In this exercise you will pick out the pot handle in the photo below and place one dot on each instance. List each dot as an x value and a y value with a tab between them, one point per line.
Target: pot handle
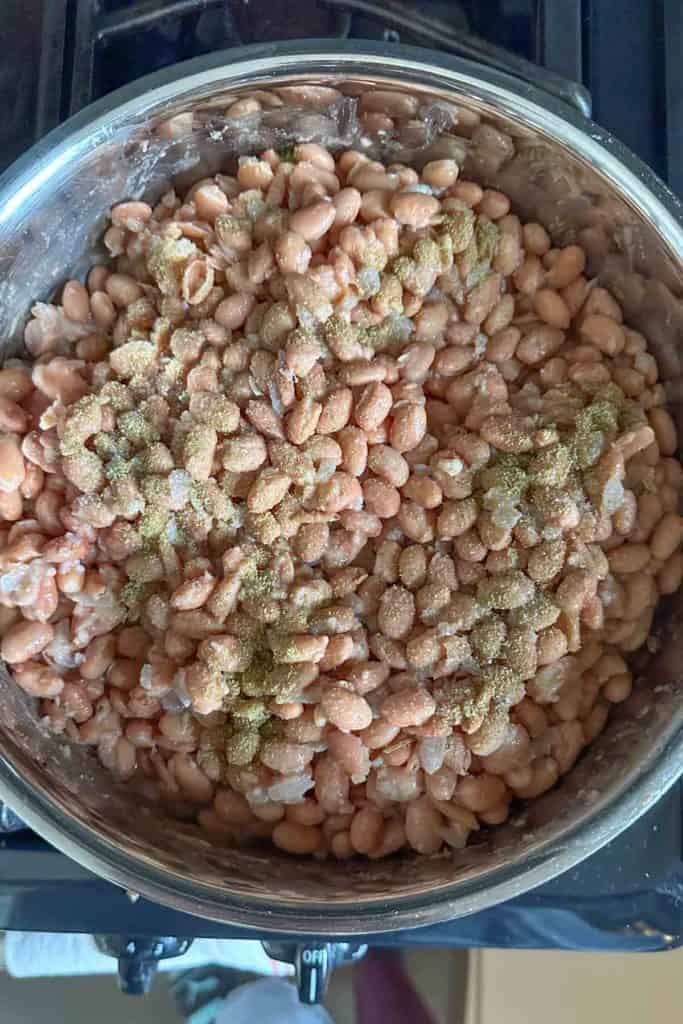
314	962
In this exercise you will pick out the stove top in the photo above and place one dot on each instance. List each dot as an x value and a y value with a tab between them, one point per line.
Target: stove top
622	58
624	55
625	897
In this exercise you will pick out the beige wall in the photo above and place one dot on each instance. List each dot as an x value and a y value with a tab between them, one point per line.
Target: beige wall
520	987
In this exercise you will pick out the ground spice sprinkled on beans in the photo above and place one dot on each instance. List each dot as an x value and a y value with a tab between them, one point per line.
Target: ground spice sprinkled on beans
334	503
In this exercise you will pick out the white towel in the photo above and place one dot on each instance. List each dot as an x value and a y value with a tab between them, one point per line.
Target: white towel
48	954
269	1001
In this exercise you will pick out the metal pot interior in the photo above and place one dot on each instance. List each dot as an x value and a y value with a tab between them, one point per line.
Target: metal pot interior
559	170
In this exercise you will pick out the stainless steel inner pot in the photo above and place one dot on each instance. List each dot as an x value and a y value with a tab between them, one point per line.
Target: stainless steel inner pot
559	169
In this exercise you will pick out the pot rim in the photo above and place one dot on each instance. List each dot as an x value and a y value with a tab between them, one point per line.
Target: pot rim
329	61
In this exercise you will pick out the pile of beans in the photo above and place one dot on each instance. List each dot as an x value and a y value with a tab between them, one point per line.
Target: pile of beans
332	504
